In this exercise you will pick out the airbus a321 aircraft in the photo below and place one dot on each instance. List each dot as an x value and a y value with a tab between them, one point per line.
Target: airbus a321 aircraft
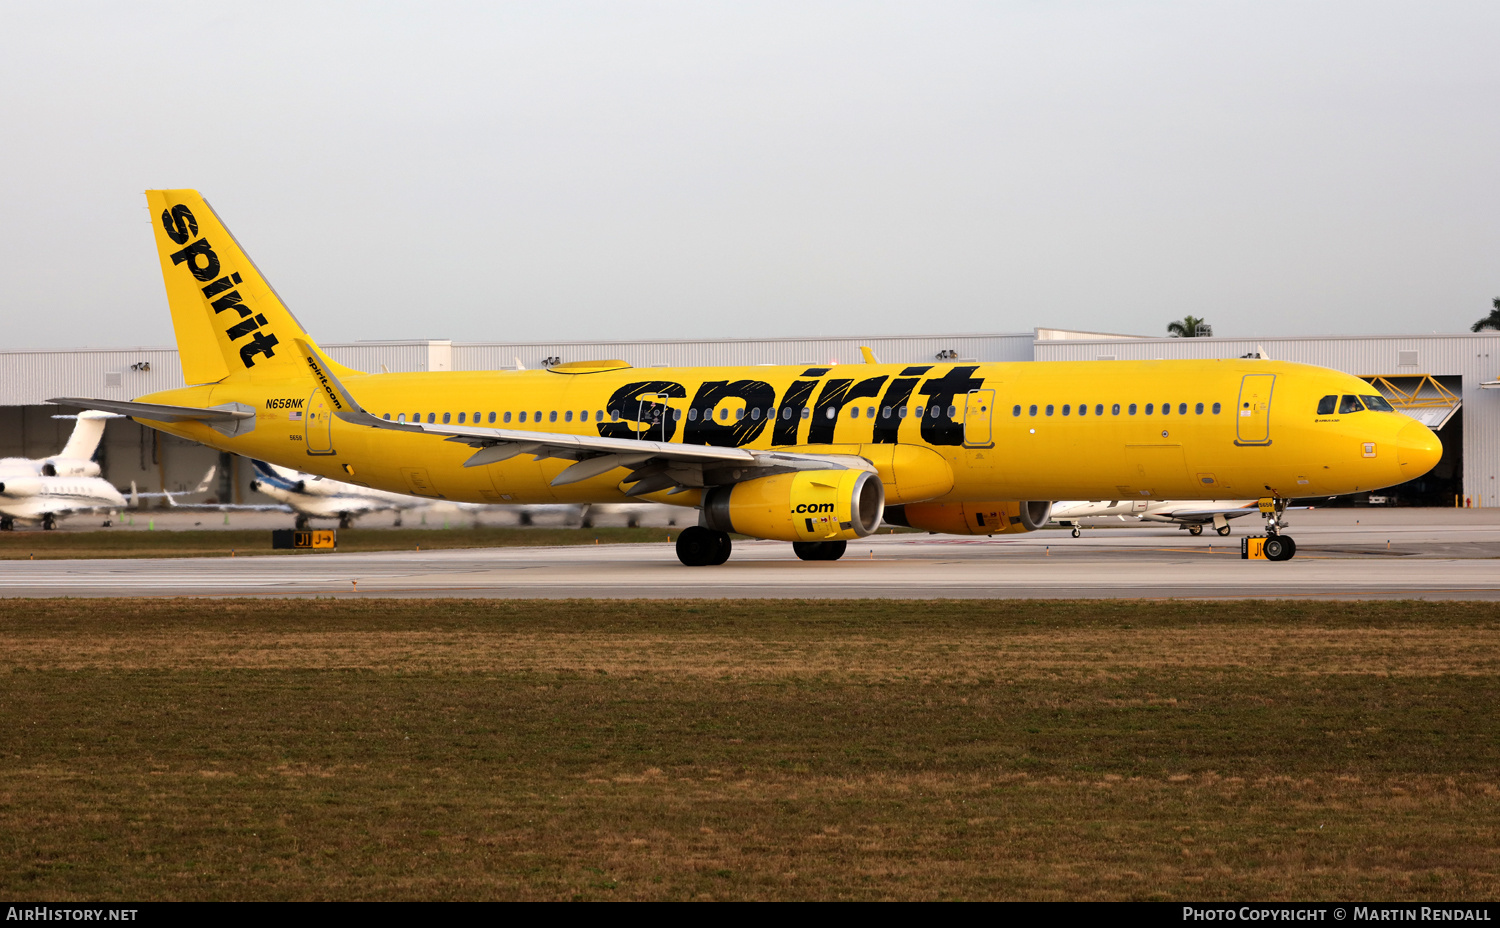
1191	514
811	455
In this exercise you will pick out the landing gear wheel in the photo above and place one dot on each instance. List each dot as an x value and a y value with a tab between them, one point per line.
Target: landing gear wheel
1077	532
1280	548
7	525
49	522
300	524
345	521
1223	530
1195	530
722	547
701	547
820	550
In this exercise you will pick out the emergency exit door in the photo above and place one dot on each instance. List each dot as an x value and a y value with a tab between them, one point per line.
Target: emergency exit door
1253	412
977	416
317	425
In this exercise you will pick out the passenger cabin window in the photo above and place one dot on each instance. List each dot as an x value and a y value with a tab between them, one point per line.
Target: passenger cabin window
1049	409
1148	408
1132	409
492	418
567	416
507	416
1083	409
676	415
1216	409
1198	409
902	412
432	417
401	417
1328	404
1099	409
387	417
1166	409
869	412
460	418
1114	410
1016	411
552	415
1377	403
807	413
522	416
953	412
1033	410
1350	404
1182	409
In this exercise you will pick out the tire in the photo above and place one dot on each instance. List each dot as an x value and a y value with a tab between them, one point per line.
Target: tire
1223	530
7	525
1277	549
722	547
1195	530
1077	532
697	546
1291	547
345	521
300	523
820	550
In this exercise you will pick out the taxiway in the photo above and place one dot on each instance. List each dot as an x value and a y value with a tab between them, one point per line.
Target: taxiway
1342	554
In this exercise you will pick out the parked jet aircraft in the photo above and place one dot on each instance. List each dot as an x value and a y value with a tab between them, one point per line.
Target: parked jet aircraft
1190	514
44	490
810	455
311	496
76	459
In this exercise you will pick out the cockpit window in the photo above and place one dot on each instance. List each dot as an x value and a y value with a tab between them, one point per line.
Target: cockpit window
1377	403
1349	404
1328	404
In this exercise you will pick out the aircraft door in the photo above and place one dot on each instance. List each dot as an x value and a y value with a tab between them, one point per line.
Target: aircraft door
317	425
1253	412
977	417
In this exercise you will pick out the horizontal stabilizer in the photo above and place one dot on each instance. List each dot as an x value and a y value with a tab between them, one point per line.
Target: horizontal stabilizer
158	412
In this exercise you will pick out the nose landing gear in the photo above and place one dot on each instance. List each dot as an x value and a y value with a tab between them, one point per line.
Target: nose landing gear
1278	547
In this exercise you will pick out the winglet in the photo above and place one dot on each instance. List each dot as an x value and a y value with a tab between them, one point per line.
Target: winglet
869	355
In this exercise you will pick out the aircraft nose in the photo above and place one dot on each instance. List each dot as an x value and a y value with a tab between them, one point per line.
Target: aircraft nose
1417	450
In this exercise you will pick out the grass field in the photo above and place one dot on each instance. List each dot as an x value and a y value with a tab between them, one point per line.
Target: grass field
188	749
254	542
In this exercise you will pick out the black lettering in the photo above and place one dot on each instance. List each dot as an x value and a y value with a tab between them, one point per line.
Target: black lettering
220	285
192	253
733	433
241	329
785	430
260	344
916	371
887	427
655	418
232	299
179	223
941	429
837	393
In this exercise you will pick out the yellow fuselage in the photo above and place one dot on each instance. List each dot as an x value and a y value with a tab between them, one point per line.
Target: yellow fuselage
1012	431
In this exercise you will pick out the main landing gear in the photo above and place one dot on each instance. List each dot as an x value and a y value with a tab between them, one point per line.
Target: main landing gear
1195	530
703	547
820	550
49	522
300	523
346	520
1278	547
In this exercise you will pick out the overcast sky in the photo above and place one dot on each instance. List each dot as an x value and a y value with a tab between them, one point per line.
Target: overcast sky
652	170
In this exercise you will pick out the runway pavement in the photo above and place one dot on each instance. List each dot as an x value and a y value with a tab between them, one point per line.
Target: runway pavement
1342	554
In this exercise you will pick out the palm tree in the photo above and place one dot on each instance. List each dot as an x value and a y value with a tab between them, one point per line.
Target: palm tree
1492	321
1193	327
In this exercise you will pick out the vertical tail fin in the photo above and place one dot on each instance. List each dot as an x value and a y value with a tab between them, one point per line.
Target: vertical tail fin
87	431
228	318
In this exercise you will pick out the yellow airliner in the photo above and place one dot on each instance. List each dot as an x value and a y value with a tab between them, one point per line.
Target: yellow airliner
811	455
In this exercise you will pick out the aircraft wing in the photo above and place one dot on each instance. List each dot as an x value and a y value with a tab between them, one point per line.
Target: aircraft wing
158	412
652	462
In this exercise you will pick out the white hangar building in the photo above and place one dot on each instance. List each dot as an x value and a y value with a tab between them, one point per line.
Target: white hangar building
1446	381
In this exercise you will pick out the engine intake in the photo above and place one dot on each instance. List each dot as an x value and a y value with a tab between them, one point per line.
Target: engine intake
1008	517
808	505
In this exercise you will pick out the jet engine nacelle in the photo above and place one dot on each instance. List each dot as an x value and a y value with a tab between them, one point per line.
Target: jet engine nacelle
70	467
808	505
1009	517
